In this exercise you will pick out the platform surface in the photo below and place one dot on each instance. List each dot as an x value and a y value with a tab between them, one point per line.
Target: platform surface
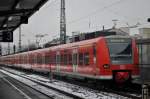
11	89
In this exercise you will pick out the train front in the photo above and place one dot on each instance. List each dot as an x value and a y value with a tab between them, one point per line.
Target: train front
124	58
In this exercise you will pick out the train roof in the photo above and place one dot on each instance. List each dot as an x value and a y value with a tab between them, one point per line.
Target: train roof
69	45
117	36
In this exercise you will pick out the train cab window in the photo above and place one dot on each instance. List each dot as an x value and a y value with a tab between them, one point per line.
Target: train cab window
86	58
120	50
81	59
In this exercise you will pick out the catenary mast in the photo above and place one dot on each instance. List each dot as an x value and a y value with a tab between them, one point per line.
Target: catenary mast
62	23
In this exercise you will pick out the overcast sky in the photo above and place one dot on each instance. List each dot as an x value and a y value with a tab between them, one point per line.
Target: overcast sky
81	13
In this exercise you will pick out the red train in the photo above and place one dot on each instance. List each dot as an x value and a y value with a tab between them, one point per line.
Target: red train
103	58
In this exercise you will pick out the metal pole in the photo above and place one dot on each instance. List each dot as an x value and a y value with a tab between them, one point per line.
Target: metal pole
144	91
28	45
8	48
14	48
19	38
8	42
62	23
0	49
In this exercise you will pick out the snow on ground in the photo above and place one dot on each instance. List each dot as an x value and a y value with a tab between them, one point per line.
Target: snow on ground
67	87
42	89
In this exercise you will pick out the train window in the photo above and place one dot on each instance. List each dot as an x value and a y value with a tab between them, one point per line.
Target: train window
32	59
70	59
62	59
86	58
35	59
21	58
47	59
39	59
51	59
54	59
94	51
120	52
65	59
24	59
80	58
57	59
75	59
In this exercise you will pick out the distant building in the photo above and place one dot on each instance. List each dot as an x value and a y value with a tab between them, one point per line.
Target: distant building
125	30
119	31
144	32
79	36
145	48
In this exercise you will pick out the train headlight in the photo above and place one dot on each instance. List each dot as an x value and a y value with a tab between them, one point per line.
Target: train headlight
106	66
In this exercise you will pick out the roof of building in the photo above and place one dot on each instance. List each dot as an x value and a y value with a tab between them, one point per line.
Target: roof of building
13	13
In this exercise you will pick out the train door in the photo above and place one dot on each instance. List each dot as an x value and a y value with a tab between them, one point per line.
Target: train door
75	60
96	69
58	61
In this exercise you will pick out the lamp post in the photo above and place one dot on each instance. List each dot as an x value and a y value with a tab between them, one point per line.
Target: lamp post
19	38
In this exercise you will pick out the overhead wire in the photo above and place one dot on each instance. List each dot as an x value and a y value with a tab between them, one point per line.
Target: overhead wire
96	11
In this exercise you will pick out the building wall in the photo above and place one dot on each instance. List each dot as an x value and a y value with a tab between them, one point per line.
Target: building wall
144	50
145	57
145	32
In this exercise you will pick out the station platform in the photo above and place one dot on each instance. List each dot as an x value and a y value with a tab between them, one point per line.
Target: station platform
11	89
7	91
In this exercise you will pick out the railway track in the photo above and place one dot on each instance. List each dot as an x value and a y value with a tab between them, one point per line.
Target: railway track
133	91
51	92
115	94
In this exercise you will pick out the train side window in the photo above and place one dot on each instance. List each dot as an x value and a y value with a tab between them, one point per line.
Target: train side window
65	59
35	59
25	59
75	59
58	59
47	59
39	59
70	59
62	59
86	58
80	58
32	59
54	59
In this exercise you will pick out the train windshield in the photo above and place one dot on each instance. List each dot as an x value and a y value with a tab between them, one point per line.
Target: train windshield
120	51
